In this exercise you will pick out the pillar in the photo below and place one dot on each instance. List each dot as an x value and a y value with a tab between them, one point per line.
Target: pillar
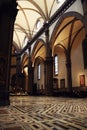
30	74
84	3
8	13
84	50
19	76
18	64
69	74
48	66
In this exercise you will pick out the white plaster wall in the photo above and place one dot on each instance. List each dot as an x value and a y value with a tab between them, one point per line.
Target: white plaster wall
77	62
62	68
76	7
35	74
40	83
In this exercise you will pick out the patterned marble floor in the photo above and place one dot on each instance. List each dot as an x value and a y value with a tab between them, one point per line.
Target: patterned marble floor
44	113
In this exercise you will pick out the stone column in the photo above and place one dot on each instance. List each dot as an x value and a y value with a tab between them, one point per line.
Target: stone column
30	74
69	74
48	66
84	49
84	3
18	73
8	13
18	64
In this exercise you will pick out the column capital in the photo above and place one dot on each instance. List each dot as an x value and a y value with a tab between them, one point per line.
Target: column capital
47	32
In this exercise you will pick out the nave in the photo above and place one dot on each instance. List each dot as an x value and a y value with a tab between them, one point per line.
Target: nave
44	113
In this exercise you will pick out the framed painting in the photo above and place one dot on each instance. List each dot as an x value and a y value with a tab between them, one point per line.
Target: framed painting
82	80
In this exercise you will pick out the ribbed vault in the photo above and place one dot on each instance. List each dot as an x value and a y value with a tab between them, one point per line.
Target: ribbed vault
30	18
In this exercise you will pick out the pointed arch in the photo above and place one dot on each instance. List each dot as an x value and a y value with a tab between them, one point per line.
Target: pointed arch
36	44
74	15
40	44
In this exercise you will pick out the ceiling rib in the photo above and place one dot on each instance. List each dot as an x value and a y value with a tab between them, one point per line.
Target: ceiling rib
56	15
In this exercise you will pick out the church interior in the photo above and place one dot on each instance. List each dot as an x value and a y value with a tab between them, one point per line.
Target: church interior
43	65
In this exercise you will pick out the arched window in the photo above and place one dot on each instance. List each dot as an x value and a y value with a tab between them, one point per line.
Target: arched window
38	24
38	71
56	64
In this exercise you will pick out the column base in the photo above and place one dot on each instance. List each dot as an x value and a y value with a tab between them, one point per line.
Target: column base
4	102
49	93
4	98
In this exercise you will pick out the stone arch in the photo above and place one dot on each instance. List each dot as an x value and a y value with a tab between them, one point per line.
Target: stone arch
66	15
40	44
71	24
40	83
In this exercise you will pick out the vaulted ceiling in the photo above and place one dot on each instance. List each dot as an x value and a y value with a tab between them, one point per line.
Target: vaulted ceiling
30	18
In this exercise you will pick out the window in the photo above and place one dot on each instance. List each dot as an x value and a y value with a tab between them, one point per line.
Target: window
56	65
38	24
25	41
39	71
